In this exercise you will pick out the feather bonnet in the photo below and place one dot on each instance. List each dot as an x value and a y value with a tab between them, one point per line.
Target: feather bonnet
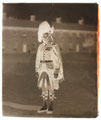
44	27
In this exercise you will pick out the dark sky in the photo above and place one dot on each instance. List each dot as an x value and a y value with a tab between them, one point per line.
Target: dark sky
68	12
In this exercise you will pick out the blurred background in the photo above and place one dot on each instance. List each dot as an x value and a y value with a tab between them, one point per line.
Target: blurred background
76	33
70	13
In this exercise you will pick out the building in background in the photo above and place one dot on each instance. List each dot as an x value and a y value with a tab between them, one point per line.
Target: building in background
20	36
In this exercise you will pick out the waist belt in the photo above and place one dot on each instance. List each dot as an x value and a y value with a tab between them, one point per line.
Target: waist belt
45	61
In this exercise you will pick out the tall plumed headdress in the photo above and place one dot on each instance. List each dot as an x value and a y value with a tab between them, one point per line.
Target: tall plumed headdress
44	27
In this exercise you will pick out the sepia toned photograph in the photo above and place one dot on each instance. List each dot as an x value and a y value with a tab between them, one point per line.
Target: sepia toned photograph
49	60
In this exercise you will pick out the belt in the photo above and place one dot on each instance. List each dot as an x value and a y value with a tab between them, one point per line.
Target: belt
45	61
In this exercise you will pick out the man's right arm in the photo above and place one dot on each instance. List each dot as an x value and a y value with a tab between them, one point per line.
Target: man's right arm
37	62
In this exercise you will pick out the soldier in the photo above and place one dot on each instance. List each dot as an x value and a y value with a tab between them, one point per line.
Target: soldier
49	68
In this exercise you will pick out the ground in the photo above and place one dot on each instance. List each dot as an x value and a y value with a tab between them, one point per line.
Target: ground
77	96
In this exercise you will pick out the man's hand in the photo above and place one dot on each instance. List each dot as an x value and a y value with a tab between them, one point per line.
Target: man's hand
37	74
55	75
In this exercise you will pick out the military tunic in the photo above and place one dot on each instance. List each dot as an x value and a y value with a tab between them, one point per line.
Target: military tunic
48	62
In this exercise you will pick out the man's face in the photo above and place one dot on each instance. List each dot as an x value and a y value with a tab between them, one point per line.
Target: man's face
46	38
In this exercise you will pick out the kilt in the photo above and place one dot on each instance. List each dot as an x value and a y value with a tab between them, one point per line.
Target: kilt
46	80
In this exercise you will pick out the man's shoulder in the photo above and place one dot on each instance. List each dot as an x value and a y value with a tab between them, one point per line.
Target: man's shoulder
55	45
41	46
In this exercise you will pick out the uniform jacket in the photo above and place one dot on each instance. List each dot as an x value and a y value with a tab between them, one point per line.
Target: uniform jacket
50	52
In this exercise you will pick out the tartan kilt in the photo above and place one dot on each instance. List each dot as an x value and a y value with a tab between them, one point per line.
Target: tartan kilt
46	78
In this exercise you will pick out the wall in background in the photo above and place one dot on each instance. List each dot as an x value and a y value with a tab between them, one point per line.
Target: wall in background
24	40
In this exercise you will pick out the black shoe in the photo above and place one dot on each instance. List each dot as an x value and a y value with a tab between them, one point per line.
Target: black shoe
43	108
50	109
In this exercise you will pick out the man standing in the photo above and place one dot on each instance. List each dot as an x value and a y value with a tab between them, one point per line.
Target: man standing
49	68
